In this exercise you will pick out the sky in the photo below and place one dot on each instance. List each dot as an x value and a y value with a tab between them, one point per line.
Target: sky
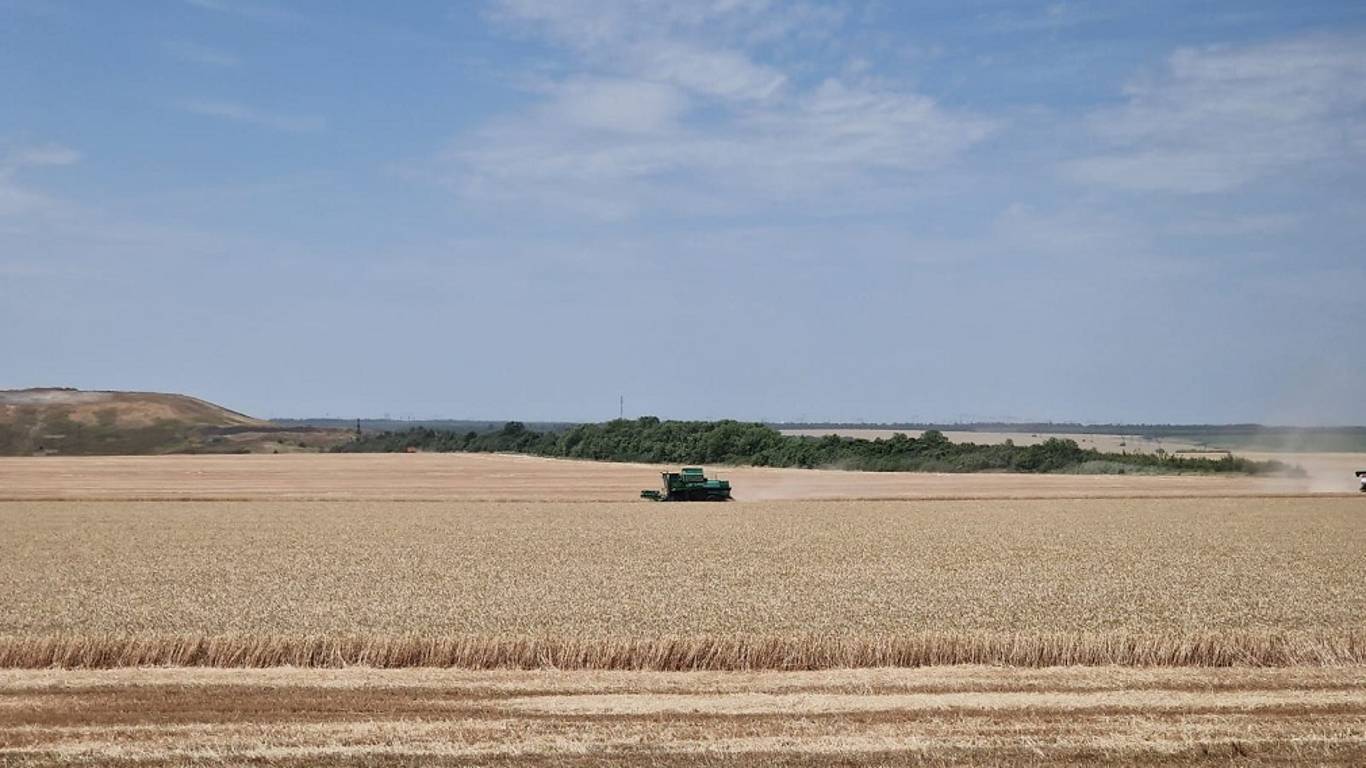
946	210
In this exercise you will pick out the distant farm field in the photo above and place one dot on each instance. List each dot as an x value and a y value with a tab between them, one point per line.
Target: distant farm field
1108	443
500	477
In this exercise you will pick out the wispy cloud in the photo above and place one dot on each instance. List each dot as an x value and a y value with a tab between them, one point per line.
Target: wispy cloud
200	54
1222	117
1049	17
616	104
39	155
251	10
671	108
17	199
241	113
697	46
1237	225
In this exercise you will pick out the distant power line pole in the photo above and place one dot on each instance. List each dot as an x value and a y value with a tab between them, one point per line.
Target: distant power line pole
621	406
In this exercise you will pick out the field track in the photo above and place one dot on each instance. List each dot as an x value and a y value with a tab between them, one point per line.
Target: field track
929	716
489	477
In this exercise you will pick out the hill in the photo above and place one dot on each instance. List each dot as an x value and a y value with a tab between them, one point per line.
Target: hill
71	421
445	425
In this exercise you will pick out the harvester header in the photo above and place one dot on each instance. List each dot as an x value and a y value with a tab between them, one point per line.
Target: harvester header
689	484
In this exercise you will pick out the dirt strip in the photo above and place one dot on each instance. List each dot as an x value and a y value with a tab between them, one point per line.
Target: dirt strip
178	717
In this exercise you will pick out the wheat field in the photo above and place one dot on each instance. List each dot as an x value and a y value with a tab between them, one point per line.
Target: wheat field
415	620
782	585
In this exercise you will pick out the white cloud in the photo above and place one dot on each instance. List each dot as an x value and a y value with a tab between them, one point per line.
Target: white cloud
666	109
695	46
227	110
1222	117
617	104
829	143
856	126
721	73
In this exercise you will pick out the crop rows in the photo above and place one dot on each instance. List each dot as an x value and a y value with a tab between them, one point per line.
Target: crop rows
782	585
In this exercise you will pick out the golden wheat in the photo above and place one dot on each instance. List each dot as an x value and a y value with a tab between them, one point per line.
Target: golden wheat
780	585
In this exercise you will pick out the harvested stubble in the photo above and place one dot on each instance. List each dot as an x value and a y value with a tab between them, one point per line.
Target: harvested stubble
960	715
633	586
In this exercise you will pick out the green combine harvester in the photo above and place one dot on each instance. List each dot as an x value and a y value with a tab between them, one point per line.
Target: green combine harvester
689	485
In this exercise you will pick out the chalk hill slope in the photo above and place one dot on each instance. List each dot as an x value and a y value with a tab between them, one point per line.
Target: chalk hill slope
70	421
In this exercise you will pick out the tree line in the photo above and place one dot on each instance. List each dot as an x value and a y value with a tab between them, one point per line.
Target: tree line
650	440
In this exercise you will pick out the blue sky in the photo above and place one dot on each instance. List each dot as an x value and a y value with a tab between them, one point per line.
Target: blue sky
1103	211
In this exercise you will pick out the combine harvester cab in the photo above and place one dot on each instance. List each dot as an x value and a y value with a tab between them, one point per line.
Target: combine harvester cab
689	485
